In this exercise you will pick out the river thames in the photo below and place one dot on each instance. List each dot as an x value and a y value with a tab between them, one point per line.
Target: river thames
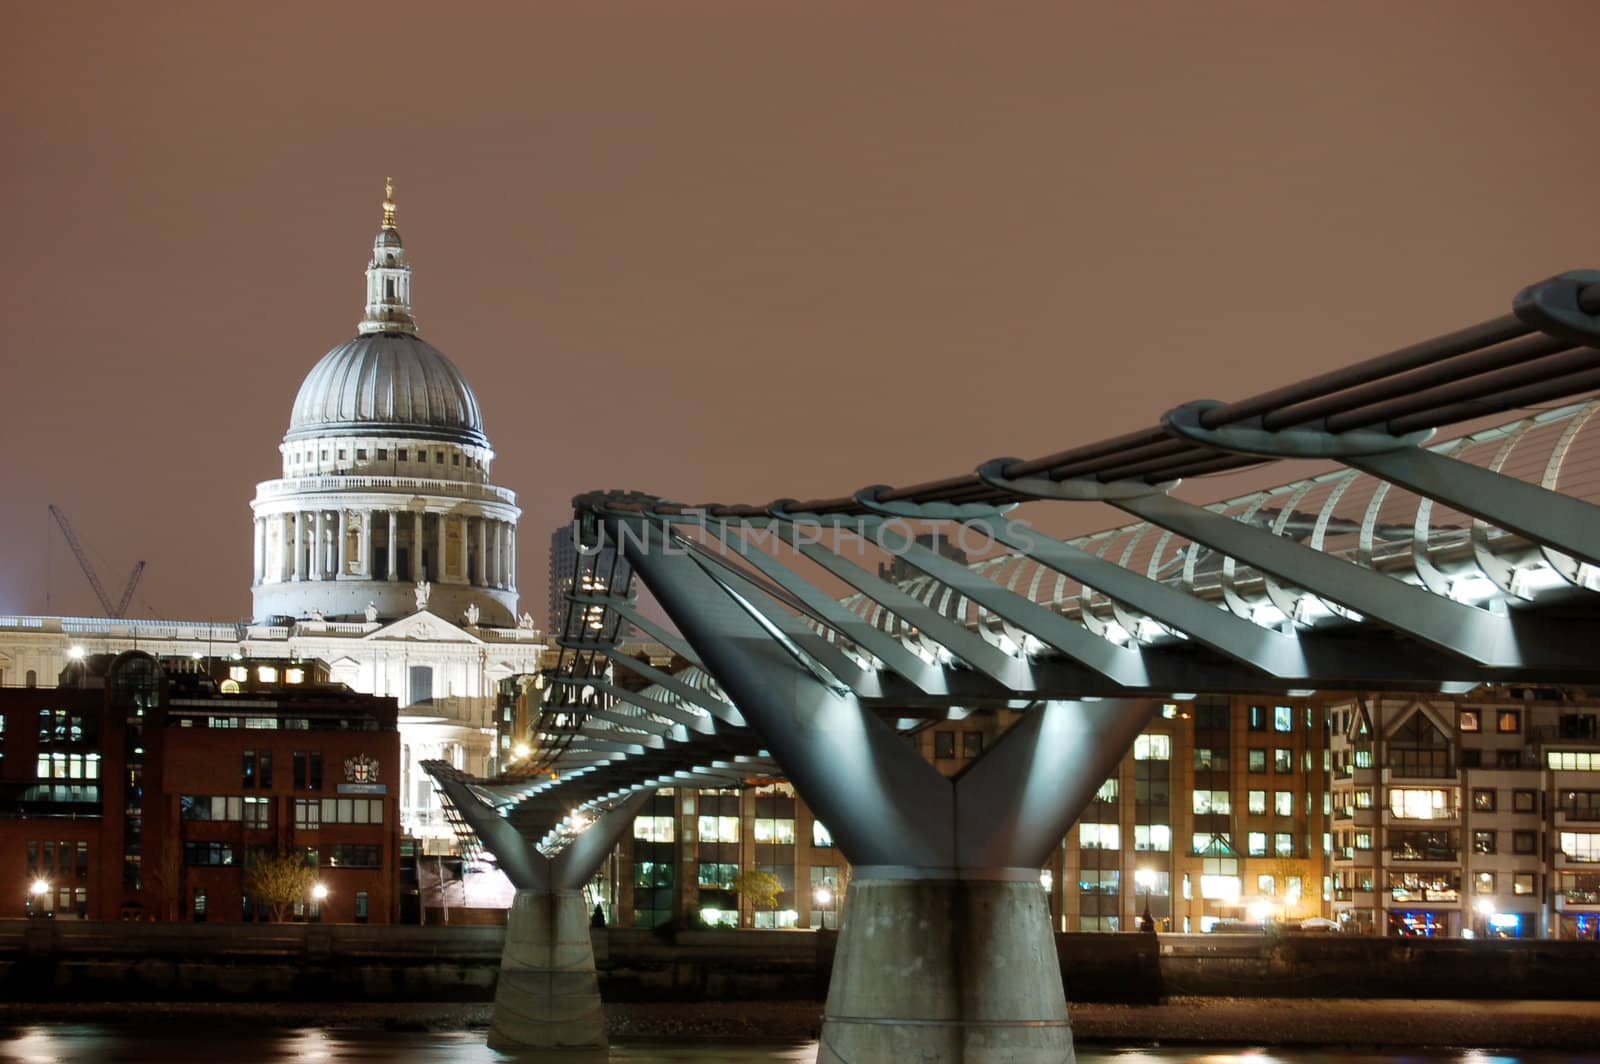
122	1044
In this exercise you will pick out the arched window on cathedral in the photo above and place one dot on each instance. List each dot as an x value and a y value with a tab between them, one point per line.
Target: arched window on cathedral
31	679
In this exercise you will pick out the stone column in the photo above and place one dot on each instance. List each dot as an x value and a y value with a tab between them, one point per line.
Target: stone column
285	547
258	569
299	545
511	552
320	556
466	531
364	565
341	551
418	574
497	569
481	578
442	544
394	544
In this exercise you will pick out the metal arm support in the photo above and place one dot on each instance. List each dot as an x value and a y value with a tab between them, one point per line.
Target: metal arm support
520	860
884	803
1465	631
525	866
1547	517
577	864
1015	804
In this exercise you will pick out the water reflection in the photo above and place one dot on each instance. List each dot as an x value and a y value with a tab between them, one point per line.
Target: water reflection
178	1044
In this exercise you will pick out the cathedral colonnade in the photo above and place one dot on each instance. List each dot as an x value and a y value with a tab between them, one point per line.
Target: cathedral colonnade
385	544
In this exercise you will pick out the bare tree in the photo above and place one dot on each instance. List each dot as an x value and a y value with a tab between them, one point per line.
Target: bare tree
280	880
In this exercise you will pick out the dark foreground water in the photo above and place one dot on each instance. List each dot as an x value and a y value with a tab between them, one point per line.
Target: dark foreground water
185	1043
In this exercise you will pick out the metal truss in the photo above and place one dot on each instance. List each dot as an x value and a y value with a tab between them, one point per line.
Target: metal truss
1406	565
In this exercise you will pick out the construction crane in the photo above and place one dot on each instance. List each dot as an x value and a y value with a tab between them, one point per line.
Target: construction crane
121	608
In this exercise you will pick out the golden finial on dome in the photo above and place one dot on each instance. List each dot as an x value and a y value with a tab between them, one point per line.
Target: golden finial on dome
388	203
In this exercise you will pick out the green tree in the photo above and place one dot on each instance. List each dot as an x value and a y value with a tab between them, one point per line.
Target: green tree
760	889
279	880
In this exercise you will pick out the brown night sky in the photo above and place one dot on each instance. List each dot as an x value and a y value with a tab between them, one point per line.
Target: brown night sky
726	251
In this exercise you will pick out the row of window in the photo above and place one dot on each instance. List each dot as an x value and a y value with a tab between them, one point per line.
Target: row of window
1281	718
312	813
55	861
339	855
401	454
69	766
253	811
777	831
1507	721
61	726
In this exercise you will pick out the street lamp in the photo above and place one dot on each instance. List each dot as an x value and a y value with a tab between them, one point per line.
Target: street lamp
823	896
38	896
319	893
520	751
1146	878
1485	909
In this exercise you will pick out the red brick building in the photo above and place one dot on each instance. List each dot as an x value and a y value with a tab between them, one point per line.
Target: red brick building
143	790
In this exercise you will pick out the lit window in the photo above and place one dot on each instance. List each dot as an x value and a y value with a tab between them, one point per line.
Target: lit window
1509	721
267	674
1258	803
294	675
1156	838
1578	846
1256	843
653	828
1099	837
1283	718
1283	803
1152	748
1469	721
1417	803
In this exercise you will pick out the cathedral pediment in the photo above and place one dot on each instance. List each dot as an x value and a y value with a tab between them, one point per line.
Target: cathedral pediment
423	627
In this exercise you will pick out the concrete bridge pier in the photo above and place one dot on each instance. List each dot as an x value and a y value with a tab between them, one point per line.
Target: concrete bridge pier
946	970
548	994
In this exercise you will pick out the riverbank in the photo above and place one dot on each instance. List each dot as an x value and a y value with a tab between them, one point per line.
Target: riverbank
1350	1023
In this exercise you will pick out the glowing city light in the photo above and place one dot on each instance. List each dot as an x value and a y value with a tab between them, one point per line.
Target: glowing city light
39	888
521	750
823	896
75	653
319	892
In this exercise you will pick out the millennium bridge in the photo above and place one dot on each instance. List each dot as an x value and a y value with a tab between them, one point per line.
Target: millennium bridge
1400	562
